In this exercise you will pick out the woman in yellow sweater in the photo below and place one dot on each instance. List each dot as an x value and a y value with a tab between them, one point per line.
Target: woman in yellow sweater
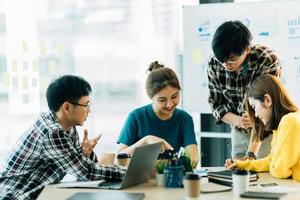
270	108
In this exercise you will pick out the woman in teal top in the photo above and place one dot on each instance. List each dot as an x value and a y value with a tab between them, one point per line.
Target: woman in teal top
160	121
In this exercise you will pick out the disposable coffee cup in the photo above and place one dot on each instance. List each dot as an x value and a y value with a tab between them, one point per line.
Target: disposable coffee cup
191	184
106	158
123	159
240	180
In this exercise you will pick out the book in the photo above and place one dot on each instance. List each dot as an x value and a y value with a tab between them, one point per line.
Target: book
224	177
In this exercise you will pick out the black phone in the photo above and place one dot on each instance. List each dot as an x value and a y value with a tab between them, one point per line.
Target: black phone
262	195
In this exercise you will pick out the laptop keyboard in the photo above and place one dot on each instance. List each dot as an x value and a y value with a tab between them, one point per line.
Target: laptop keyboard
109	183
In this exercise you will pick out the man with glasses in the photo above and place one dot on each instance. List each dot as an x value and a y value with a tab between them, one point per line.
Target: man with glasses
50	148
235	65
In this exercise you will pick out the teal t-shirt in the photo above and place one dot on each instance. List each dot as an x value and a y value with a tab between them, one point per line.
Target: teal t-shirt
178	130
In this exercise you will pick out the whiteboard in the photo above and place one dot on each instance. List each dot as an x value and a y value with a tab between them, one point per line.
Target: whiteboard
274	24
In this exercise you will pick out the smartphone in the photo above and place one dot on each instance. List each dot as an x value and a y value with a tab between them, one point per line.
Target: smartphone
262	195
265	185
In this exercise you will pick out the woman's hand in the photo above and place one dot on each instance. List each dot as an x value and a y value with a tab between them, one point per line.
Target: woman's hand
150	139
230	164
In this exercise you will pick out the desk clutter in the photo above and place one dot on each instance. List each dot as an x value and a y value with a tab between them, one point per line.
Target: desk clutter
208	190
174	170
171	168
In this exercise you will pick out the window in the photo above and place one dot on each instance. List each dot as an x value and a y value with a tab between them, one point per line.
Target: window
108	42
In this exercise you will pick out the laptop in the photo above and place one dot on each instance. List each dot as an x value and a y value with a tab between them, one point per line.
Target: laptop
138	171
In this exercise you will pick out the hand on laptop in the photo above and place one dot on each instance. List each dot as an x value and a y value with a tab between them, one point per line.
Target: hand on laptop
150	139
89	144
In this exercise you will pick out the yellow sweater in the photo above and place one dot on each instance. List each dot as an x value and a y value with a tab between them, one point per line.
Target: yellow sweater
284	158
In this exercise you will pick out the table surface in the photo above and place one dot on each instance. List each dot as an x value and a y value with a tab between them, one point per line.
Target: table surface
152	191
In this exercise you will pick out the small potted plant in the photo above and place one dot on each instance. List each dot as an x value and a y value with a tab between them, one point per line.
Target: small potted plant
160	176
186	161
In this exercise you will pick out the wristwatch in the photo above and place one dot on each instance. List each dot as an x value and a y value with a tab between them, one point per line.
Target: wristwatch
251	154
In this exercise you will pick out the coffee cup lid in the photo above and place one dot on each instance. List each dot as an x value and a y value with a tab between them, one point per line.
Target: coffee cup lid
240	172
123	155
192	176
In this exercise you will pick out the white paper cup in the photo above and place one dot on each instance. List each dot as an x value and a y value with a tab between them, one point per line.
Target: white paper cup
240	180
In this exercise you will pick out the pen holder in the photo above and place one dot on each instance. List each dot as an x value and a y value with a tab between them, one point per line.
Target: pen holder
174	176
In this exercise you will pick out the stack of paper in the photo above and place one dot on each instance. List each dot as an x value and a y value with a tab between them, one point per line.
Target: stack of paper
224	177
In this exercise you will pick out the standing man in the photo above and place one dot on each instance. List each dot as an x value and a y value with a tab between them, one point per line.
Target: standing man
236	64
50	148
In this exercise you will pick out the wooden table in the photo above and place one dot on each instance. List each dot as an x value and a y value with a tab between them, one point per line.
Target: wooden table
158	192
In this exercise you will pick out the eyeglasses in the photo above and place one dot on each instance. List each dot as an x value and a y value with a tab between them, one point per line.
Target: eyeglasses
232	61
78	104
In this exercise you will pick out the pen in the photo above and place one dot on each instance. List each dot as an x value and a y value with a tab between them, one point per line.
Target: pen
230	149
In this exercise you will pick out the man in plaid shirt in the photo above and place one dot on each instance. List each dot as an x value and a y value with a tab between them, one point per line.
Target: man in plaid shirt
235	65
51	148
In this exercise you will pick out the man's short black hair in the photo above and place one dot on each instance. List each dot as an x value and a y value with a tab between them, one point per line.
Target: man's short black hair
66	88
232	37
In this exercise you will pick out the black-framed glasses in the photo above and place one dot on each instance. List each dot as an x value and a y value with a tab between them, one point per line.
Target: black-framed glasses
232	61
84	105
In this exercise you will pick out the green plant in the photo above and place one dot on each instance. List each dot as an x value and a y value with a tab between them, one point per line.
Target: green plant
160	166
186	162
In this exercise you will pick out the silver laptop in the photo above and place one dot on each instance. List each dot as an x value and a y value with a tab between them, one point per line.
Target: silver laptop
139	169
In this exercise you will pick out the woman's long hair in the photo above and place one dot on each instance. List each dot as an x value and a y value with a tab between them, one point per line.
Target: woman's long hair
281	104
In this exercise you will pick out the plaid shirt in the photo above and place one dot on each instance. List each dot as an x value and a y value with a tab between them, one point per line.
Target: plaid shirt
43	155
227	89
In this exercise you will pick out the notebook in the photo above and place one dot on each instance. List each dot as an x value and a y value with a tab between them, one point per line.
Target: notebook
104	195
224	177
138	171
